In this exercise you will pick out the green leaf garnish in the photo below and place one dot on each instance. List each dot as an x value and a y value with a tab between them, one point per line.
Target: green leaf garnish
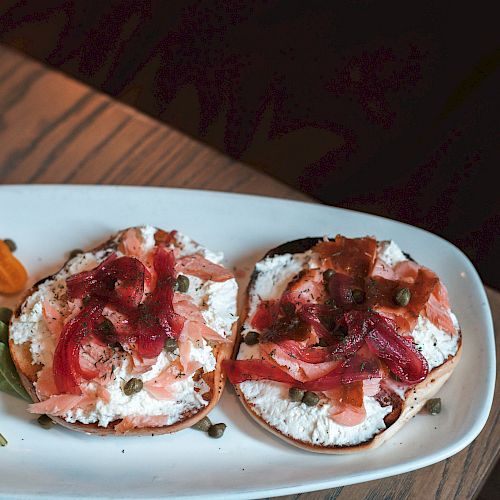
9	378
4	333
5	314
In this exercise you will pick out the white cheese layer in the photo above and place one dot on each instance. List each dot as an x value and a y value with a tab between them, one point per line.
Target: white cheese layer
390	253
141	403
433	343
312	424
217	302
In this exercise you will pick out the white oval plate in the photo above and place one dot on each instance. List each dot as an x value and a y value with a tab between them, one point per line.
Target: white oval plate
248	462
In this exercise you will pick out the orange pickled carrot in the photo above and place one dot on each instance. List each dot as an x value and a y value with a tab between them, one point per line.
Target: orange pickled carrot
13	275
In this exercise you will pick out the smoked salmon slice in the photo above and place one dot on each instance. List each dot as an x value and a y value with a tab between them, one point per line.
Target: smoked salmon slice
56	405
131	243
129	423
306	288
197	265
53	319
299	370
160	387
380	294
45	384
194	327
437	310
408	274
352	256
347	404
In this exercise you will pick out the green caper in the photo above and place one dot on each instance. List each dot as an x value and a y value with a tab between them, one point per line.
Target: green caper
170	345
75	252
45	421
323	343
402	297
251	338
433	406
328	274
217	430
11	244
310	398
296	394
5	314
133	386
181	283
3	441
203	425
358	296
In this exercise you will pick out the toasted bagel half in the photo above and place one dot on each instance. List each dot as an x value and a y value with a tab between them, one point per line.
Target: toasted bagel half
169	334
339	420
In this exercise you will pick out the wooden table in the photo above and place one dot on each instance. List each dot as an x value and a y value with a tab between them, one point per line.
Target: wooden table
56	130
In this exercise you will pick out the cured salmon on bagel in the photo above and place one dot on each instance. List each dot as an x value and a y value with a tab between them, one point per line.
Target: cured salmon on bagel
128	338
343	340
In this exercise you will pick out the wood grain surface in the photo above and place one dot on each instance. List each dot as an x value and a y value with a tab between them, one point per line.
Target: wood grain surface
56	130
402	102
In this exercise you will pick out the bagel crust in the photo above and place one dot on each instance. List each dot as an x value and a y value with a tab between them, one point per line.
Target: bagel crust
212	381
404	405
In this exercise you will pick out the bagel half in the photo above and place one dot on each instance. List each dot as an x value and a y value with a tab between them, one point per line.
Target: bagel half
32	344
269	403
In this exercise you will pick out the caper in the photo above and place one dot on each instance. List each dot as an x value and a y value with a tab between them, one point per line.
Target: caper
3	441
182	283
45	421
310	398
170	345
203	425
75	252
358	296
133	386
433	406
11	244
328	274
217	430
402	297
296	394
251	338
323	343
5	314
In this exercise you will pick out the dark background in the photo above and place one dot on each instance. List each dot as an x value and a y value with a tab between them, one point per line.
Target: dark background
385	107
